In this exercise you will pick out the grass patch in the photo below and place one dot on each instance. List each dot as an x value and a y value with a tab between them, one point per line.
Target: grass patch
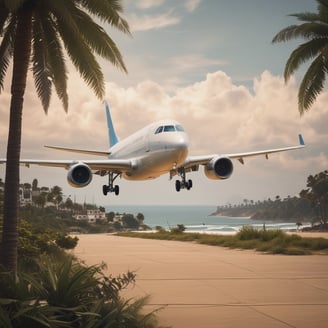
268	241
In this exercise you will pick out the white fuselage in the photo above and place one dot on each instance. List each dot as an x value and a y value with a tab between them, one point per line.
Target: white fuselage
153	150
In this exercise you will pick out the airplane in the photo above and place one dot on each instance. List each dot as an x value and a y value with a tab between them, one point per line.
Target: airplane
157	149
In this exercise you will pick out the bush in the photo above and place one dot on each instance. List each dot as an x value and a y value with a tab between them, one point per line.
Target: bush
69	294
66	242
180	228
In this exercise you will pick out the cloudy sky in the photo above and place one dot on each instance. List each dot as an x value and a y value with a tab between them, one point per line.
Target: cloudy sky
210	65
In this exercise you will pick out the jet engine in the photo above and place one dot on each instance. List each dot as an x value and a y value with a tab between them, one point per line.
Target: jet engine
79	175
219	168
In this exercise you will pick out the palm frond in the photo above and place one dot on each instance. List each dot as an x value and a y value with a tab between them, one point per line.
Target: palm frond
98	40
306	17
107	11
312	84
4	16
42	78
84	61
78	50
56	61
6	51
302	54
307	31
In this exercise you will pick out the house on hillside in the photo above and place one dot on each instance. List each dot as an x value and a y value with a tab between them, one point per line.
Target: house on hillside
25	195
91	216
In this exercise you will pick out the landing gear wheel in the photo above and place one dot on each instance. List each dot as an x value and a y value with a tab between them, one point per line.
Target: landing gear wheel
105	190
177	185
116	190
189	184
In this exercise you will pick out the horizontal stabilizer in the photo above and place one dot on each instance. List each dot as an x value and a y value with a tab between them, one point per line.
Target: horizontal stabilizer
81	151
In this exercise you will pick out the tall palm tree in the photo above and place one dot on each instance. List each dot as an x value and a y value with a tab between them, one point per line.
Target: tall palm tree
314	30
37	33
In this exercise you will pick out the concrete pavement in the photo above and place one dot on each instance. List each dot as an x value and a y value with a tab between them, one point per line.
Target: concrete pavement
205	286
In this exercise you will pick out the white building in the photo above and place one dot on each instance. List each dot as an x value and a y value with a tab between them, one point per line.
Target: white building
91	216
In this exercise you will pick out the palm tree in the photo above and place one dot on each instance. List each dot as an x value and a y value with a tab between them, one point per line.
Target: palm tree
314	30
35	33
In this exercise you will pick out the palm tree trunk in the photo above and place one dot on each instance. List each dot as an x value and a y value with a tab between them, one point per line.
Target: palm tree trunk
21	57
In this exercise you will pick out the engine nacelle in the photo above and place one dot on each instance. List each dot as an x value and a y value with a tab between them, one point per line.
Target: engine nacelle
219	168
79	175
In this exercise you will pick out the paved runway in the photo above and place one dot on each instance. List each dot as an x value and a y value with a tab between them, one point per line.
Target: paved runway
201	286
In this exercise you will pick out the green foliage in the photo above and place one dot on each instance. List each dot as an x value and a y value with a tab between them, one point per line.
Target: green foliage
317	194
70	294
66	242
130	222
180	228
269	241
312	30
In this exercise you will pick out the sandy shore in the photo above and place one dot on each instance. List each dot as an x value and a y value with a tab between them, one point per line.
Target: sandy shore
311	234
205	286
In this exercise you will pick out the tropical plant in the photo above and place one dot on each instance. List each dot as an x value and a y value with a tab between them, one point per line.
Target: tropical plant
317	194
35	33
70	294
314	30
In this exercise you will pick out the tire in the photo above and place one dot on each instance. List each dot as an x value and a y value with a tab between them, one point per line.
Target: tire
177	185
189	184
116	190
105	190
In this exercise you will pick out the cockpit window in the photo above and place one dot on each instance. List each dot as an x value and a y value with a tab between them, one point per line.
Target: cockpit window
169	128
159	130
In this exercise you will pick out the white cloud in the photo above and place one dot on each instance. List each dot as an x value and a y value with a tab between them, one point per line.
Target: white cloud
191	5
152	22
194	61
145	4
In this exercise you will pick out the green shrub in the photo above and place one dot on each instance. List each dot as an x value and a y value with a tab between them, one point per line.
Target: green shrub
248	233
70	294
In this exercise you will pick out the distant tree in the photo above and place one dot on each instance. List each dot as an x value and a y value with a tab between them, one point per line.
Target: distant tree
110	216
56	195
140	217
317	194
180	228
130	222
35	185
69	204
117	226
314	31
41	200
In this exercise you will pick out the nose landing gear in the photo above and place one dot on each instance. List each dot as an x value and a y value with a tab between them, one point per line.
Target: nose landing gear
183	184
110	187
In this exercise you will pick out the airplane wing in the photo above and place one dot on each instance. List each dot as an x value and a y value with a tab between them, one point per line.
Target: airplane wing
81	151
203	160
95	165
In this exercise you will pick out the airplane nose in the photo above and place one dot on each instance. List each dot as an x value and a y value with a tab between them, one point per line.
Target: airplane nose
182	143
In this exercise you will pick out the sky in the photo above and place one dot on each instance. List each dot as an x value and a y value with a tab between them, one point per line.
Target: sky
208	64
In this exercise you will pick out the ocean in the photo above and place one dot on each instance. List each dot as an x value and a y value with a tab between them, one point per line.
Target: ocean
196	218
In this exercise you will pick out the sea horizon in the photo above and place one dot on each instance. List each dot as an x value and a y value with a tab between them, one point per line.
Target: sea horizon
196	218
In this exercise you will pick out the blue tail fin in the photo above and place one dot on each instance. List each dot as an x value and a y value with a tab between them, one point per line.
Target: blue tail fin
111	132
300	137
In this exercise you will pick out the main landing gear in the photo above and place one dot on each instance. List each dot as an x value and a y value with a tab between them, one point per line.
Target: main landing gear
110	187
183	184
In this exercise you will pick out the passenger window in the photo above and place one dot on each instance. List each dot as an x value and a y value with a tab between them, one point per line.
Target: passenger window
179	128
159	130
169	128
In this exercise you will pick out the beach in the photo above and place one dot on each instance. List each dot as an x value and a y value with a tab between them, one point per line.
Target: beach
205	286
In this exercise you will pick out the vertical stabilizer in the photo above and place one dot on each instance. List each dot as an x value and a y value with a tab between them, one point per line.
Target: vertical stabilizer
111	132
